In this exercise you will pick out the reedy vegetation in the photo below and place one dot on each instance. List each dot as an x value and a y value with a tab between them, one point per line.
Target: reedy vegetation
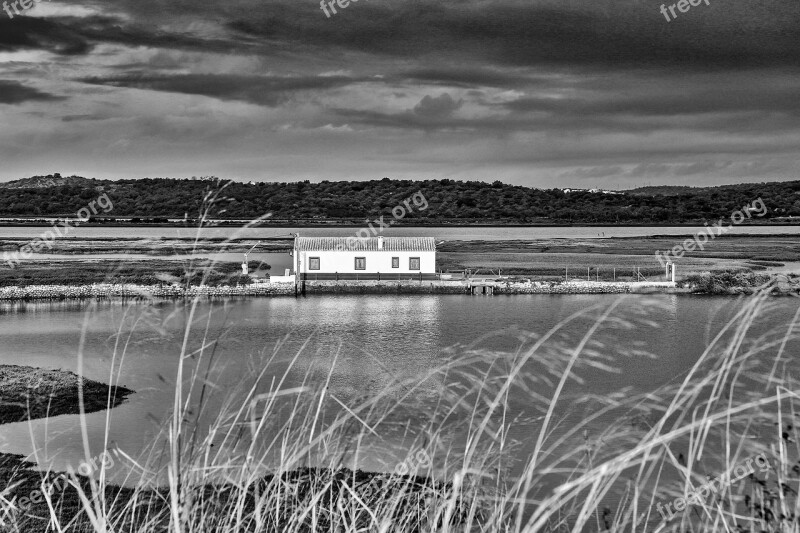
279	458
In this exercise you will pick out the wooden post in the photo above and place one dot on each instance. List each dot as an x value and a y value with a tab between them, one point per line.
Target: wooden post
587	273
615	274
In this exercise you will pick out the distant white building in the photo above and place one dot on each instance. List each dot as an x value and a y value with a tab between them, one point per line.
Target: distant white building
373	255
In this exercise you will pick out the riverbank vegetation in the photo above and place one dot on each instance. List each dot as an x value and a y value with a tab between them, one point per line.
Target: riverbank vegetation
487	439
140	272
603	259
729	283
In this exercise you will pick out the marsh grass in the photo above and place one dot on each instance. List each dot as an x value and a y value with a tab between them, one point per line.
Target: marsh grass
514	440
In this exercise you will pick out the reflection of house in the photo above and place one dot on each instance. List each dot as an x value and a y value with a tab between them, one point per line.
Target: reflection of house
373	255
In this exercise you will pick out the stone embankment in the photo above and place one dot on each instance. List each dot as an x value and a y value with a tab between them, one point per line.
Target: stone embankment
383	287
60	292
466	287
582	287
563	288
99	291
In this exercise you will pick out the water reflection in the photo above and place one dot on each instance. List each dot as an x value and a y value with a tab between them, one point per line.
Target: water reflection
361	346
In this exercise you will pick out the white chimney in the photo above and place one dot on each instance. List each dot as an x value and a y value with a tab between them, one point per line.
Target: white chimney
380	242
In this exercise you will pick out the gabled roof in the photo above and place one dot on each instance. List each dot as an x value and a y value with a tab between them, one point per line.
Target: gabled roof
370	244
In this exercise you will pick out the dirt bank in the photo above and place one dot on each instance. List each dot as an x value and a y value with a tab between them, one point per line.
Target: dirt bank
28	393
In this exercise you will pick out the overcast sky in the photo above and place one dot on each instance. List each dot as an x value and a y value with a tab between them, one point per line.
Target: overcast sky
541	93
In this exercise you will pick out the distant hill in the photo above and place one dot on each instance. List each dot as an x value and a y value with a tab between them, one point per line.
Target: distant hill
448	201
43	182
665	190
675	190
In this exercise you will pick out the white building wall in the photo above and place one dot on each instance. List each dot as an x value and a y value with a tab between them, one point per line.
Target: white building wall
377	261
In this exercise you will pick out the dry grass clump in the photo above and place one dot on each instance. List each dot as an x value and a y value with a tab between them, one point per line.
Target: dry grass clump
497	437
511	442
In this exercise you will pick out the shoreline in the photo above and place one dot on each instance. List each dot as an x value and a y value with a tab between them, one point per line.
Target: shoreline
49	393
147	292
29	393
339	223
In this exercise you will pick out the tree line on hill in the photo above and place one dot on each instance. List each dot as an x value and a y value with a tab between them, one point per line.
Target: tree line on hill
448	201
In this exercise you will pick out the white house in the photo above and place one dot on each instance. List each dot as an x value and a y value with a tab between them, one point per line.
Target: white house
373	255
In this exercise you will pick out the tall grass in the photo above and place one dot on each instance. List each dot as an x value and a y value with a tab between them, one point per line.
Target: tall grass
489	440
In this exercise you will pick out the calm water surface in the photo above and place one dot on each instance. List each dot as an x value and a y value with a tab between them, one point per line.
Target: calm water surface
465	233
373	340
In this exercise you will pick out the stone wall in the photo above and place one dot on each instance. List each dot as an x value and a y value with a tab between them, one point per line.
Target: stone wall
385	287
60	292
563	288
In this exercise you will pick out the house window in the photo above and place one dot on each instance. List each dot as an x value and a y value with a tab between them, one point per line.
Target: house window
361	263
395	262
313	263
413	263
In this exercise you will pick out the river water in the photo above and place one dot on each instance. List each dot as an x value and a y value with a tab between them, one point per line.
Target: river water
361	345
449	233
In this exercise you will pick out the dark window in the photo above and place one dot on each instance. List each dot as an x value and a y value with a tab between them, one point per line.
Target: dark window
361	263
413	263
395	262
313	263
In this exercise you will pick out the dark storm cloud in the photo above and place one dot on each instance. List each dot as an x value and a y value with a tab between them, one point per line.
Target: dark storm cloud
113	30
27	33
596	84
437	107
470	77
261	90
602	33
781	95
12	92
